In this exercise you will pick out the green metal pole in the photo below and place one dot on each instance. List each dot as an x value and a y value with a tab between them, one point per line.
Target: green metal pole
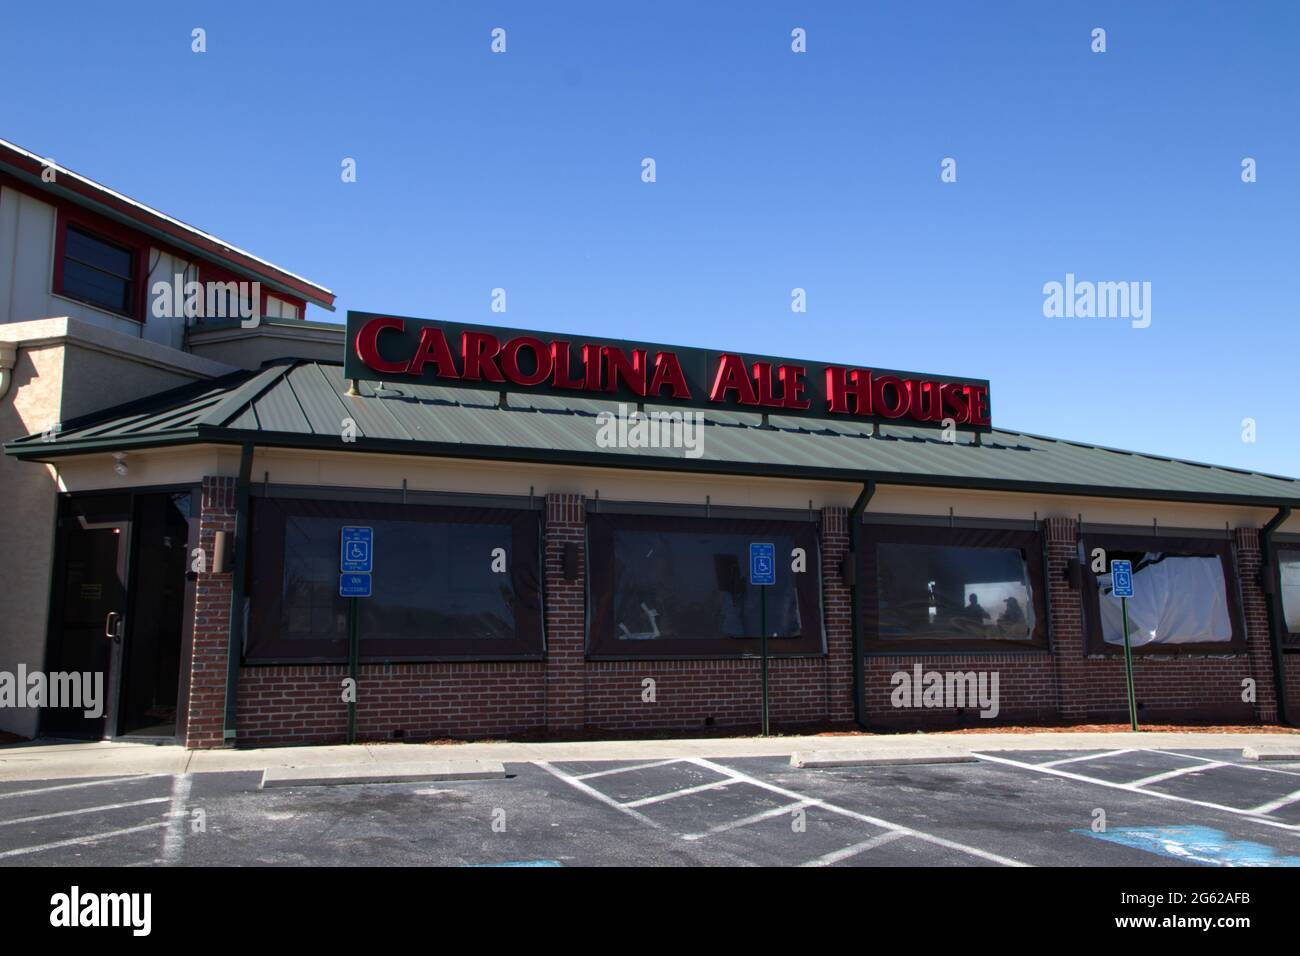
762	623
353	666
1128	669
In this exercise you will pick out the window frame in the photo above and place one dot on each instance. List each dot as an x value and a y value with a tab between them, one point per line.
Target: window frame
601	642
1028	542
1191	546
1290	639
112	236
265	579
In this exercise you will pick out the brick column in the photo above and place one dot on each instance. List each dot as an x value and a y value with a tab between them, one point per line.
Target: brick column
1066	619
566	711
206	670
837	619
1254	608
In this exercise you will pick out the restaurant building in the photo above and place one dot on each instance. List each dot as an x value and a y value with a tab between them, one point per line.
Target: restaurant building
559	533
554	531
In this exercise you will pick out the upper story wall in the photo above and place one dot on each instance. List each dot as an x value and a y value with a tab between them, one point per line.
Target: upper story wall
33	237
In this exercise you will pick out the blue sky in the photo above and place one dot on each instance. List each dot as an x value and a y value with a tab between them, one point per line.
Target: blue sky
775	170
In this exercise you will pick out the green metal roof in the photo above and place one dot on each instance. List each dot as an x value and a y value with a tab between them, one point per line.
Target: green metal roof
302	403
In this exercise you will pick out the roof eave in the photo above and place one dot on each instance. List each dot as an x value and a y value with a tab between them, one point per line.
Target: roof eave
34	450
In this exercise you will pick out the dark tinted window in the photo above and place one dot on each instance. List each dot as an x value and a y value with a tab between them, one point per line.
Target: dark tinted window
937	593
937	588
680	587
97	271
447	582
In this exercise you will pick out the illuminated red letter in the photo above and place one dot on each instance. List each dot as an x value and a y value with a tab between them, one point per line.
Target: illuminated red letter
763	385
619	366
668	371
541	361
792	386
732	375
955	405
560	358
842	383
979	404
367	346
927	402
479	351
433	348
880	396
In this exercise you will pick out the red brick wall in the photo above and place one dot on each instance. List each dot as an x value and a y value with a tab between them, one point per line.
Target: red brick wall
205	703
566	632
1026	689
304	704
566	695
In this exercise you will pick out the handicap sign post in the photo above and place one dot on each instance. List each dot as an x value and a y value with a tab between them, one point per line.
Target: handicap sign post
356	564
762	574
1121	582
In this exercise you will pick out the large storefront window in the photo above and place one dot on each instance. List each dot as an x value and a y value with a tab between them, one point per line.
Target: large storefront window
448	582
1182	598
679	587
926	588
1289	568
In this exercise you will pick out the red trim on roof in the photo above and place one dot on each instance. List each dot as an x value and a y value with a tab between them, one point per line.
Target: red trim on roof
215	249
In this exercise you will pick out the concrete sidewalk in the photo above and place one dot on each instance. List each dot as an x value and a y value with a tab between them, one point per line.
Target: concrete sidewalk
43	760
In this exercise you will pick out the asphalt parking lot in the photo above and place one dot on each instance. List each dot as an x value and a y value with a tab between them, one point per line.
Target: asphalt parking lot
1026	808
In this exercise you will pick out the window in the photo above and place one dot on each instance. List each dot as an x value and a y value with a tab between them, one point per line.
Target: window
932	589
279	309
1182	596
98	272
448	582
679	587
1289	568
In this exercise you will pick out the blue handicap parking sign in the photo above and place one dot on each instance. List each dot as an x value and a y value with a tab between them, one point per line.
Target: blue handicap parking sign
762	564
1121	578
356	549
354	585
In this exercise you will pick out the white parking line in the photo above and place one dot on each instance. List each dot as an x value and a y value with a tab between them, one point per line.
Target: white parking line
174	839
1243	766
73	813
674	794
593	792
80	841
1277	804
1130	788
853	814
746	821
89	783
640	766
1097	756
1170	774
857	848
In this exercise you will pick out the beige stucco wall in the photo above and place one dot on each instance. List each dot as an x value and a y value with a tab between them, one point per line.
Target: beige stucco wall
249	348
358	470
27	243
63	369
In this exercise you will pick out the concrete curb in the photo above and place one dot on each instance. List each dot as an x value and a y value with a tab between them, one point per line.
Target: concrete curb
411	773
847	758
1271	752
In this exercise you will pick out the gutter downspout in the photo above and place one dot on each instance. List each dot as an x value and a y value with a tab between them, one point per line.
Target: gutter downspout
234	651
1276	622
8	357
855	603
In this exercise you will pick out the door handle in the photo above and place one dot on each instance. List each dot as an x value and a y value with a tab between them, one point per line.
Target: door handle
114	625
